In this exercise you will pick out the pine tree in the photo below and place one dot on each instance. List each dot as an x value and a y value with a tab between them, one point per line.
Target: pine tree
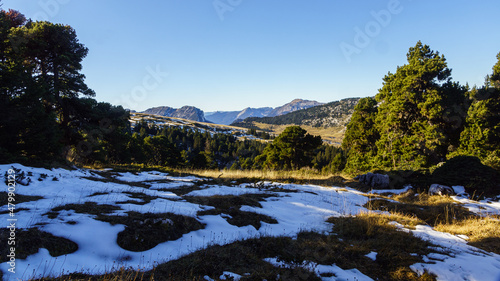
361	136
411	109
481	136
25	120
292	149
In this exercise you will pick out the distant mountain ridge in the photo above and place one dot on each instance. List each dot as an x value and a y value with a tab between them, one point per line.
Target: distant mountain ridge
296	104
186	112
229	117
333	114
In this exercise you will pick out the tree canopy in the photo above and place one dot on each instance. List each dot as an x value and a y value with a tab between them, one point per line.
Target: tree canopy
416	117
481	136
292	149
45	105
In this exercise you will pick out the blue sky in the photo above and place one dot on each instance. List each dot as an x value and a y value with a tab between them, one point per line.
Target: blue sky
232	54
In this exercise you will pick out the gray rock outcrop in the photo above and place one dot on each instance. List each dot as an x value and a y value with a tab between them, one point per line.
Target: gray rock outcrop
439	189
378	181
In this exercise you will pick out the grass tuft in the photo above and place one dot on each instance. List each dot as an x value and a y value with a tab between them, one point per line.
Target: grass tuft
432	210
483	233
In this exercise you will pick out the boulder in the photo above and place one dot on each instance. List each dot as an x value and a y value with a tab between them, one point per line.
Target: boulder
374	180
439	189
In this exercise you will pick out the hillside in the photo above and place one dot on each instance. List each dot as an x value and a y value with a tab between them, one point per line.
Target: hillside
333	114
328	120
240	133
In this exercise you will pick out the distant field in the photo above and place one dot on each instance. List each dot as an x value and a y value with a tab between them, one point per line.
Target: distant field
332	135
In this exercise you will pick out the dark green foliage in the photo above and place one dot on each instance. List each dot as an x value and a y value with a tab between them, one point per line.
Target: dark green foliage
469	172
292	149
329	159
455	103
185	147
99	130
409	118
42	116
481	136
419	116
361	135
259	134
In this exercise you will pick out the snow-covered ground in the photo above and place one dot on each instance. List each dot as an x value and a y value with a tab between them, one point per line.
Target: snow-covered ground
305	209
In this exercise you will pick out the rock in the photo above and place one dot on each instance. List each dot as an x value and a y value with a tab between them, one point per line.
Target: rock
439	189
374	180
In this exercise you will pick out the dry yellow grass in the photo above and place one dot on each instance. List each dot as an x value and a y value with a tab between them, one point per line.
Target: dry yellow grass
259	174
376	218
445	215
303	176
483	233
332	134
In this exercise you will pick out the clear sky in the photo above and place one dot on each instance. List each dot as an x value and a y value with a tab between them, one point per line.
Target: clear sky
232	54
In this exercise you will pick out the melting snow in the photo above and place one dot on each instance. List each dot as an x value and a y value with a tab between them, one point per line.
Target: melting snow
305	209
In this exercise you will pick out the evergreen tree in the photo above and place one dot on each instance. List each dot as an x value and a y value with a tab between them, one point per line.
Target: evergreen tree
410	115
292	149
25	120
329	159
55	55
361	136
481	136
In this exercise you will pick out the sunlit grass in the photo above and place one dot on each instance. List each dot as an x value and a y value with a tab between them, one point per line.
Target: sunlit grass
303	176
483	232
332	134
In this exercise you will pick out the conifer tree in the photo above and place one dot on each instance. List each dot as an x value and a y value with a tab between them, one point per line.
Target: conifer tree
410	115
481	136
361	136
292	149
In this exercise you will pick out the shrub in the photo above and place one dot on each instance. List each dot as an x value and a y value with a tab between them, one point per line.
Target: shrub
469	172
